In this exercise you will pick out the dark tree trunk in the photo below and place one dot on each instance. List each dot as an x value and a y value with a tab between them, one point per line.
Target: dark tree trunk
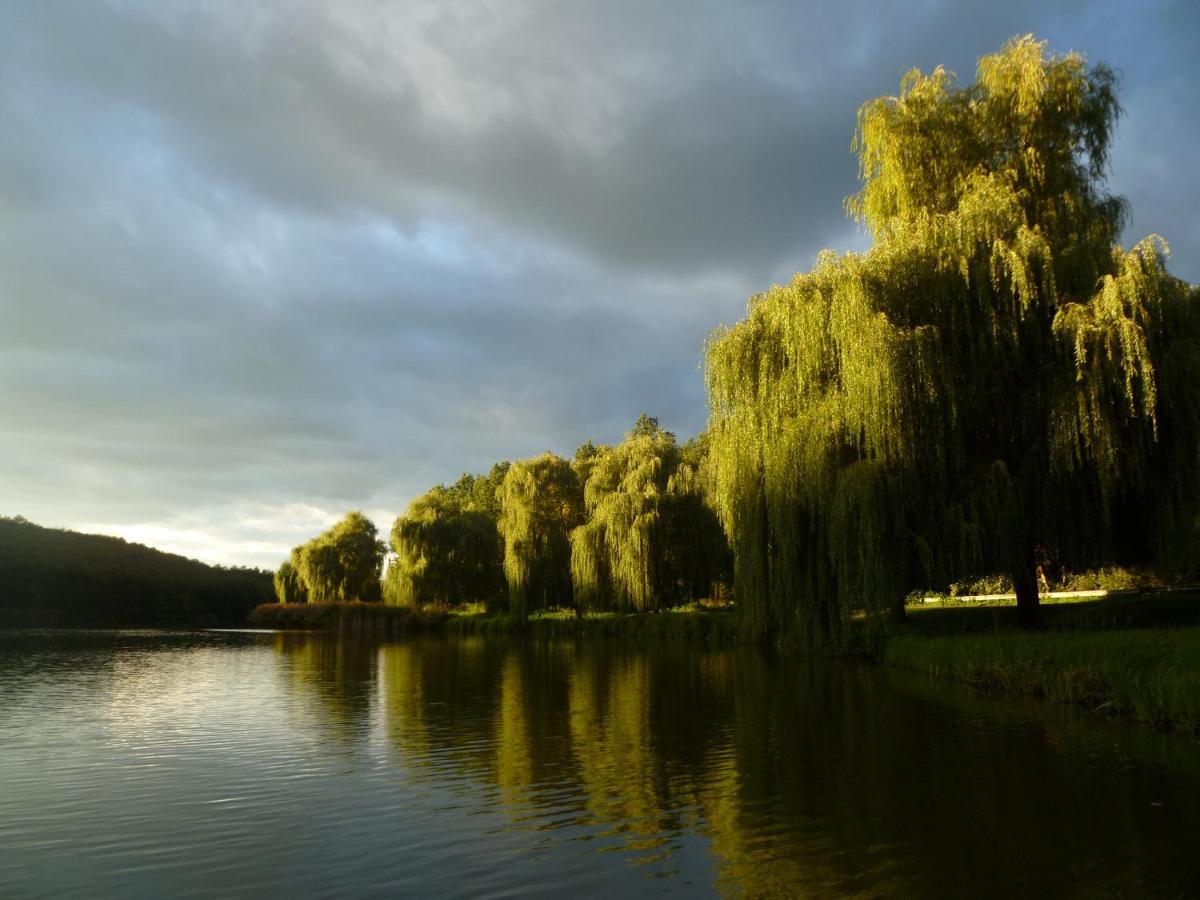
1029	611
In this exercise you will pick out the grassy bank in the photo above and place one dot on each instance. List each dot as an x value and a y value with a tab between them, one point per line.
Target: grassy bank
376	618
351	618
690	624
1151	609
1128	656
1152	675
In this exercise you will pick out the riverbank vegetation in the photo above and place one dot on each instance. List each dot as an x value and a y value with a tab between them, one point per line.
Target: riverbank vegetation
693	622
1149	675
342	564
1129	655
994	394
624	528
994	381
354	617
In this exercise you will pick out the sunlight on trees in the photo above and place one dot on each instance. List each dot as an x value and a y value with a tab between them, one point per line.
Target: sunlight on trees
994	381
341	564
649	540
993	375
541	502
289	586
447	546
625	528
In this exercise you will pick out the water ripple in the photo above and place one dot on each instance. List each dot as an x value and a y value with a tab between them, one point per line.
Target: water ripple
260	765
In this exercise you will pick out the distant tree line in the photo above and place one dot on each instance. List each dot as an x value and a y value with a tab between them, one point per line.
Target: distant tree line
54	577
624	527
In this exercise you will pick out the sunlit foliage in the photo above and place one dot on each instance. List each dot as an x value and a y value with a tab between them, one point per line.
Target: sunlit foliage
523	537
289	586
649	539
447	546
541	502
992	376
343	563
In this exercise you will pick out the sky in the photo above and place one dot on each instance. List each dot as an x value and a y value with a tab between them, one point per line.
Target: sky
261	264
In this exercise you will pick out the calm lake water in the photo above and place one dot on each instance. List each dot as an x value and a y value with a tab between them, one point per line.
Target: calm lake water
152	764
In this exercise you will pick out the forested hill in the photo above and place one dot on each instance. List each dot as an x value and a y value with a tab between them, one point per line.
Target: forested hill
53	577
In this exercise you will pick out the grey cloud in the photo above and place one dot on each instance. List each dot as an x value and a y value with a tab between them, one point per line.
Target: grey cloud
259	263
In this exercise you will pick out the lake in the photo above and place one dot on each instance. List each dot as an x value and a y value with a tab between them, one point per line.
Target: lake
237	764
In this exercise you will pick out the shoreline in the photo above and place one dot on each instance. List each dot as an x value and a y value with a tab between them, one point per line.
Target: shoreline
1117	666
1149	676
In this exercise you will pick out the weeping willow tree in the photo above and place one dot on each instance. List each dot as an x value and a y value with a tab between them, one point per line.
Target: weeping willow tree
343	563
289	586
541	502
993	376
616	555
696	553
447	546
649	539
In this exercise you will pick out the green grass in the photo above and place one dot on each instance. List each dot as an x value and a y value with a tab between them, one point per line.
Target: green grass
684	623
1154	609
345	617
690	624
1152	675
1128	654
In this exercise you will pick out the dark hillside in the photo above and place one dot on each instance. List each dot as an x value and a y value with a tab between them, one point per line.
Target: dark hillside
54	577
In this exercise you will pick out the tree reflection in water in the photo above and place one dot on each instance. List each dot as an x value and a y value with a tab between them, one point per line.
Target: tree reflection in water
759	773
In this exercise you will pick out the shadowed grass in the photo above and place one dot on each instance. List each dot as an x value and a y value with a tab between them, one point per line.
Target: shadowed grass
1123	655
1154	609
354	617
690	623
1152	675
683	624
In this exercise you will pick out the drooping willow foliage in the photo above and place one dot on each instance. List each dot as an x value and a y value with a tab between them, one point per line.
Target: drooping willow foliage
697	552
649	540
541	502
341	564
289	586
520	538
448	548
992	377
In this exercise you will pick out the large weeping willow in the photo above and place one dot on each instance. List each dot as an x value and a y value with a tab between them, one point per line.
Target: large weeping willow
649	539
993	377
448	548
341	564
541	502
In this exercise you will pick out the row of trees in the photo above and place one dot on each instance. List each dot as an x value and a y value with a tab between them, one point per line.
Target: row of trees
622	527
994	376
993	380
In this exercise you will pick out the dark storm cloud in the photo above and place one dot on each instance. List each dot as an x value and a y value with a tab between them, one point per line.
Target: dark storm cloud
262	262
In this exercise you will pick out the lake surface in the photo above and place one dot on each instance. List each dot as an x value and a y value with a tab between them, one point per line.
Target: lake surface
153	764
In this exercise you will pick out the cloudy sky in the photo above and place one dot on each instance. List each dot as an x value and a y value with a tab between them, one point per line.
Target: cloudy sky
263	263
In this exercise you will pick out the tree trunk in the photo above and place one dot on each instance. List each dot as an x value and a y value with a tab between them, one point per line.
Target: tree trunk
1029	612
